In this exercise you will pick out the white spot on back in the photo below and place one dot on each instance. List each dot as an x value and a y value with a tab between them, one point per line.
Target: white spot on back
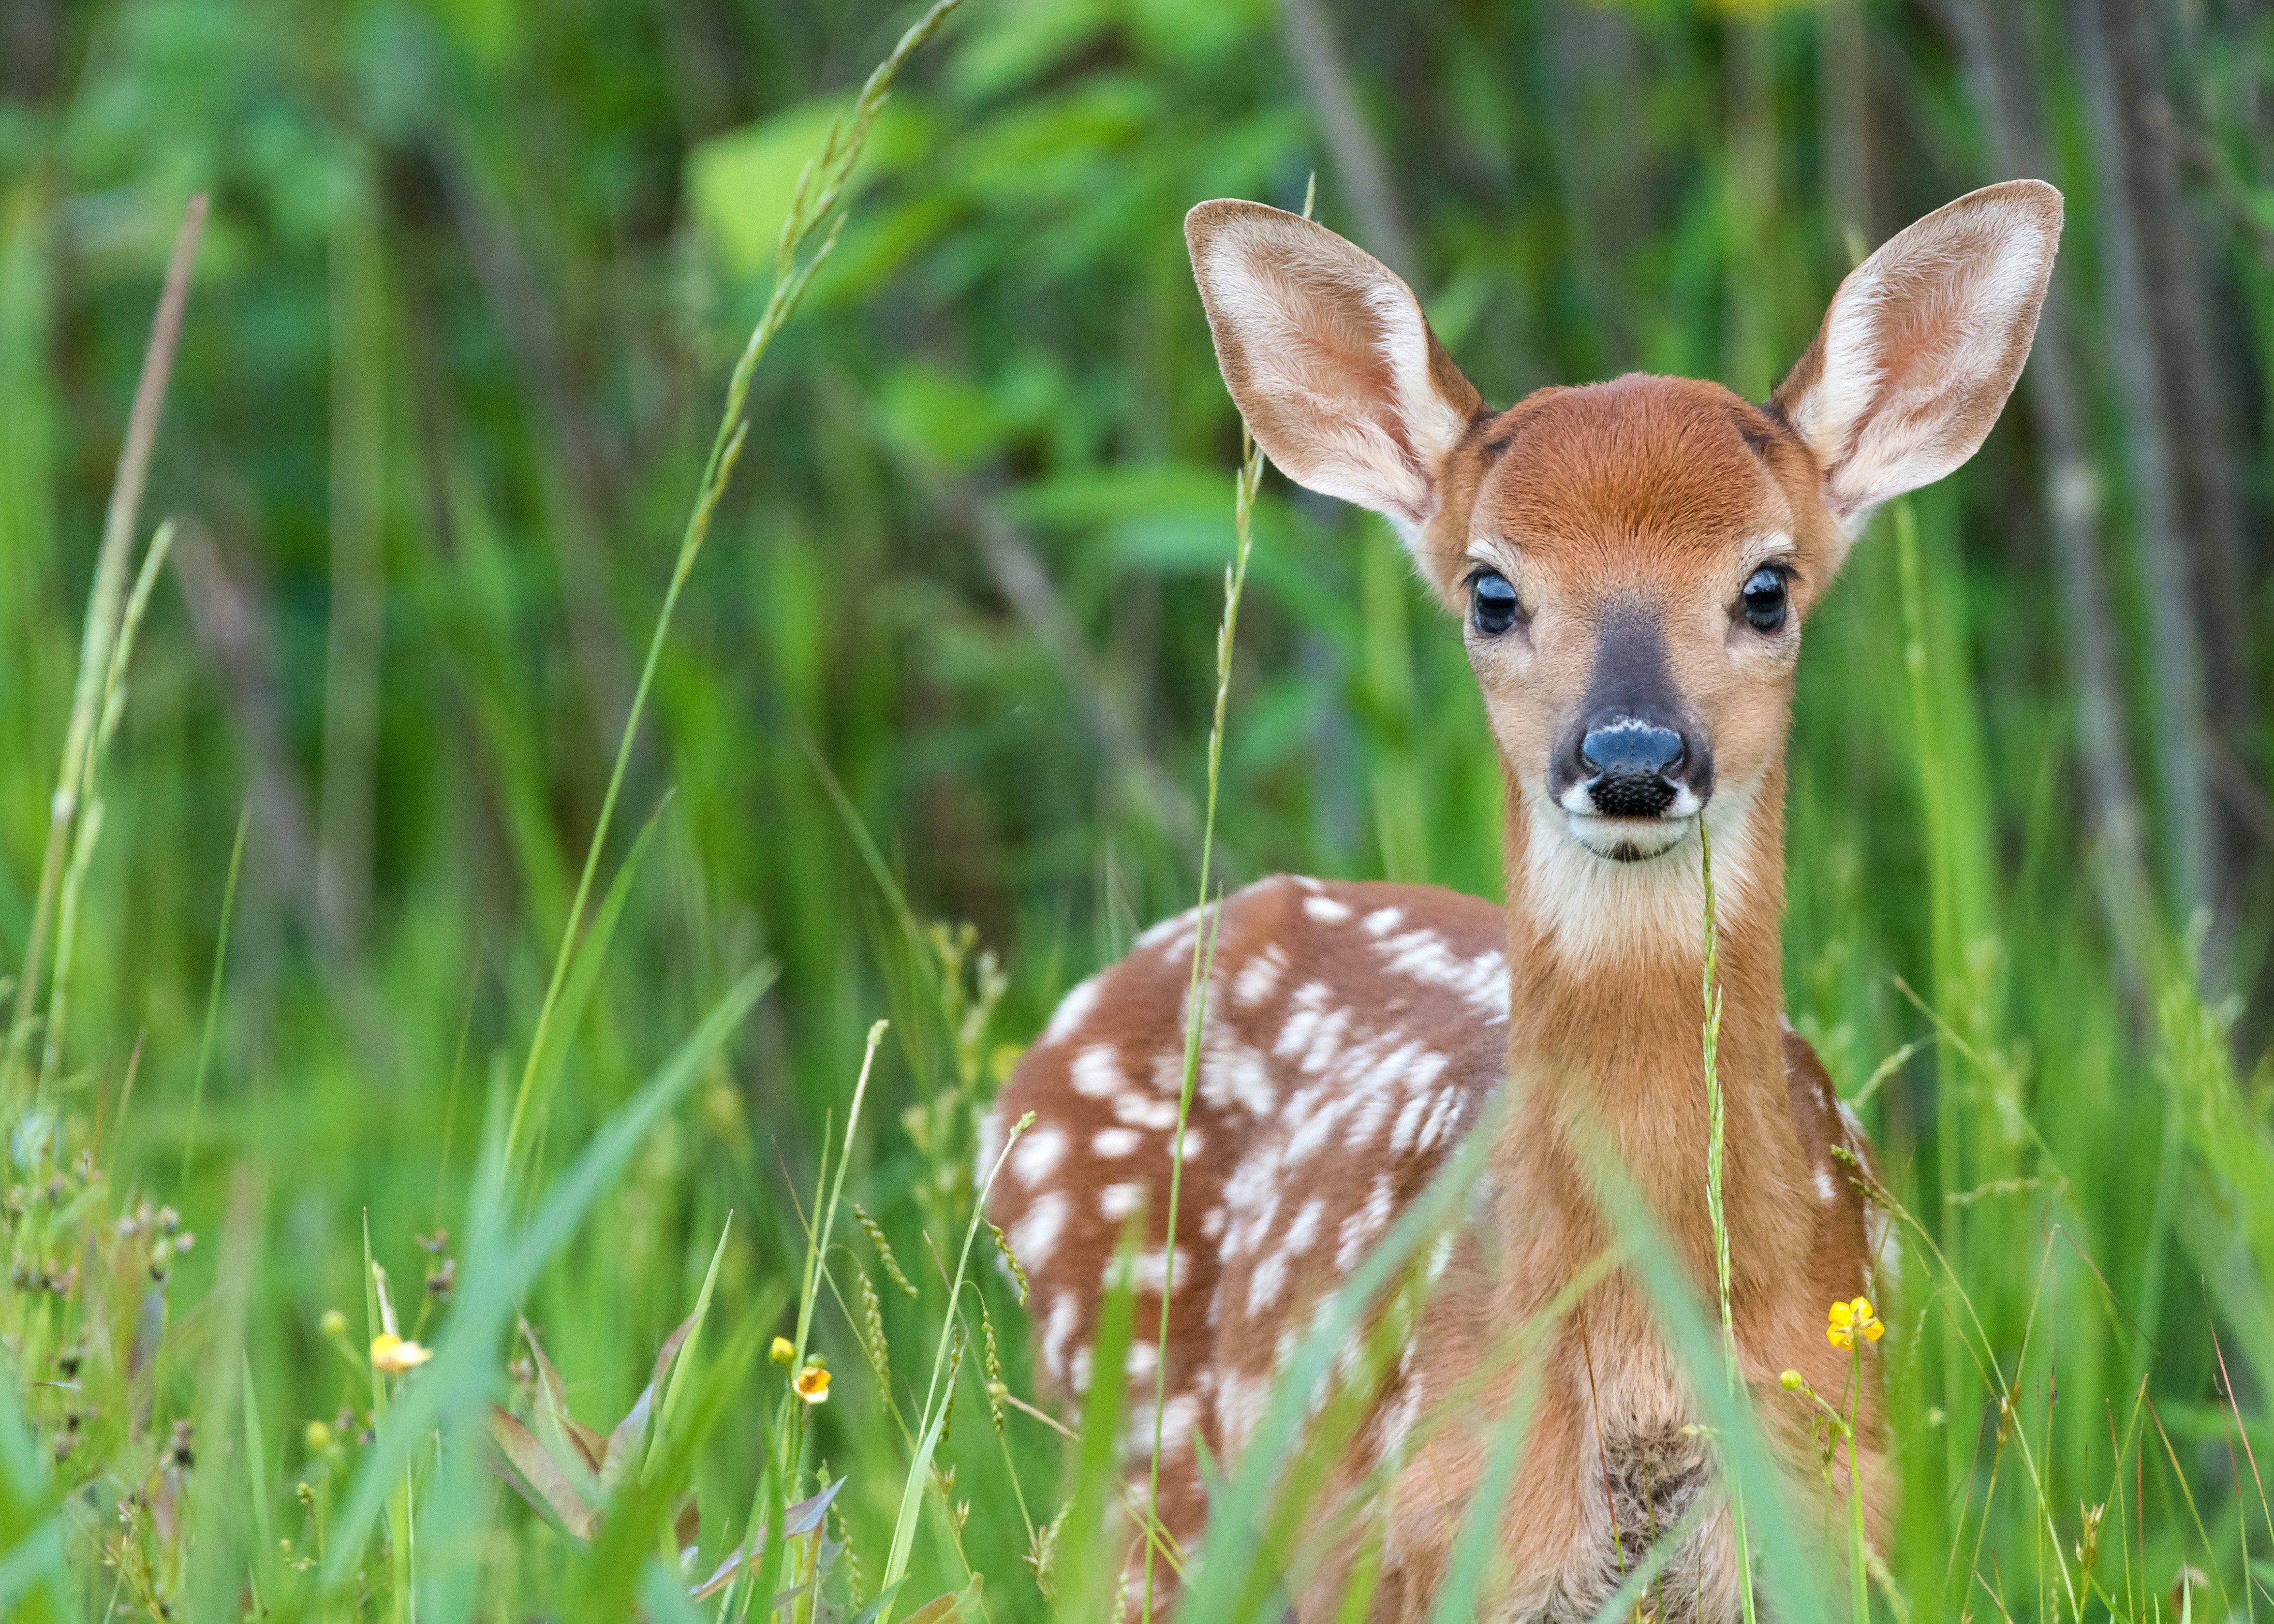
1259	976
1264	1285
1035	1236
1115	1142
1305	1228
1144	1111
1382	922
1118	1201
1326	908
1423	955
1038	1154
1097	1072
1072	1010
1064	1312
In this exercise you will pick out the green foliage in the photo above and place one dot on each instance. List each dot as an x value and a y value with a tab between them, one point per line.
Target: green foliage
917	712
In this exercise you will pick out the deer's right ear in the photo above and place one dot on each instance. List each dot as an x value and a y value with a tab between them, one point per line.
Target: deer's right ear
1328	359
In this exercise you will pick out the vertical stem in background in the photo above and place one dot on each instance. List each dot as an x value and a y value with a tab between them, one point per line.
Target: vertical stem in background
2159	551
351	663
821	188
1945	948
105	602
89	828
2001	62
1361	168
1749	234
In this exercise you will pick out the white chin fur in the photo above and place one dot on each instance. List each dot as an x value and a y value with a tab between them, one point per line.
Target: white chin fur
1593	904
1628	839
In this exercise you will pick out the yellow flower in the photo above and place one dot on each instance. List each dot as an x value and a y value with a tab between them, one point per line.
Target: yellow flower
393	1355
1852	1319
812	1384
333	1323
320	1438
782	1352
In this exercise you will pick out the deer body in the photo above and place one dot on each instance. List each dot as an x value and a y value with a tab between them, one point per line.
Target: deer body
1632	561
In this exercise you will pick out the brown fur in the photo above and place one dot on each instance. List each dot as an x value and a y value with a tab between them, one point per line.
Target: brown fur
1352	1034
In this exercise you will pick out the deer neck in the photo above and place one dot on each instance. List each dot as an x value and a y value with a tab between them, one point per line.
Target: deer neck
1605	1025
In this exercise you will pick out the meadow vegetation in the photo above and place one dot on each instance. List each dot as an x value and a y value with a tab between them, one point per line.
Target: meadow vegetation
516	885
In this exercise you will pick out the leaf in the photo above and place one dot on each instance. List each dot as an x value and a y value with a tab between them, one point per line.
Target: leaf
537	1477
500	1269
625	1439
941	1609
689	1330
552	1408
797	1521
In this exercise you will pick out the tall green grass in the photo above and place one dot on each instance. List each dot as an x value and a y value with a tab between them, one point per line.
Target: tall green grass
499	1107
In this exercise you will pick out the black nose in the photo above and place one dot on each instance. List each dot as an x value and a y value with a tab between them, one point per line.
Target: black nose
1630	761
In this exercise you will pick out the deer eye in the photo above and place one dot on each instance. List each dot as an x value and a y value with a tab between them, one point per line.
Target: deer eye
1764	597
1493	603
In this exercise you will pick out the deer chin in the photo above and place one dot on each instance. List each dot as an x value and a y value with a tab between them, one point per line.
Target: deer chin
1597	907
1630	840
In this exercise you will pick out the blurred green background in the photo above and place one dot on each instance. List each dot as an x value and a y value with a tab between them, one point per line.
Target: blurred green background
475	274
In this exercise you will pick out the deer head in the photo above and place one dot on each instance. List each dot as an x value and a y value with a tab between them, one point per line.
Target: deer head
1631	562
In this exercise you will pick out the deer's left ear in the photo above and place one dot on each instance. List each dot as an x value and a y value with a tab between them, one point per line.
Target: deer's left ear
1922	345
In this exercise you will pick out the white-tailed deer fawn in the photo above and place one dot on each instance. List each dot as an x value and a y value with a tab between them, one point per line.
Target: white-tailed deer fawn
1632	564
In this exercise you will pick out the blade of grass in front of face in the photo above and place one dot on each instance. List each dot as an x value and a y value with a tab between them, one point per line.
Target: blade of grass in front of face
459	1378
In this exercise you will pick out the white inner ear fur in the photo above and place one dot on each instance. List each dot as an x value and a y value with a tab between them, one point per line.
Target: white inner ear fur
1300	312
1920	352
1595	913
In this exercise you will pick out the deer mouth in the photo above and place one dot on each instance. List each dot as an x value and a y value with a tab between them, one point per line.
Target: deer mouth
1630	840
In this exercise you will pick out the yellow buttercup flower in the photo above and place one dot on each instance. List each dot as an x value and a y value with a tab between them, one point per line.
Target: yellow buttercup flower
812	1384
392	1354
1852	1319
782	1352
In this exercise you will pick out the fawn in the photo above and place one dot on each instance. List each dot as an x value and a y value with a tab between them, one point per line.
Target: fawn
1631	563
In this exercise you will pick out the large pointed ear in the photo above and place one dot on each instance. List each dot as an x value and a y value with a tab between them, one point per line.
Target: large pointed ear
1922	345
1328	359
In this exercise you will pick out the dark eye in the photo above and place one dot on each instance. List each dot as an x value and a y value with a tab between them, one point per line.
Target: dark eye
1492	602
1763	598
